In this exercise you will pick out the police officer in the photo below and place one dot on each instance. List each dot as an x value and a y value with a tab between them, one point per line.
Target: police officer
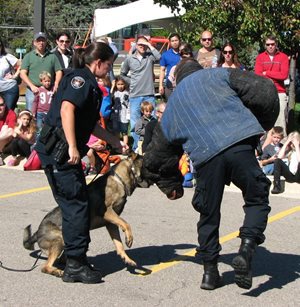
73	116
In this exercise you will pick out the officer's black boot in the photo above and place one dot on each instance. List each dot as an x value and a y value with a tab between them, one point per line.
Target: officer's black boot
242	263
78	270
211	277
277	189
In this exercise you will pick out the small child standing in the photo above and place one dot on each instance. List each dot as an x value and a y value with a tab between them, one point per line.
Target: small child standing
23	138
270	152
42	100
146	110
121	111
106	105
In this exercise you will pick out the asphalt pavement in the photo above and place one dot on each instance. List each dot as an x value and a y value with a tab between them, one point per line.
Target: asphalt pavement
164	241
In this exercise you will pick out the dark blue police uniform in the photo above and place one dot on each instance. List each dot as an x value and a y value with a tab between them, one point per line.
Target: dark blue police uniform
67	181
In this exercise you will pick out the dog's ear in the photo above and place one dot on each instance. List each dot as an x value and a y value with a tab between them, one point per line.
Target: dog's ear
132	155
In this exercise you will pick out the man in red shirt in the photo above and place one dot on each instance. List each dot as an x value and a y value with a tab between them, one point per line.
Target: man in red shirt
7	124
274	65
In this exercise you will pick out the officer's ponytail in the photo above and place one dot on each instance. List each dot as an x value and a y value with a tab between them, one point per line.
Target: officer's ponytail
92	52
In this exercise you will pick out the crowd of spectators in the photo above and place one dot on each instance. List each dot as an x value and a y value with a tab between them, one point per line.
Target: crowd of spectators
130	102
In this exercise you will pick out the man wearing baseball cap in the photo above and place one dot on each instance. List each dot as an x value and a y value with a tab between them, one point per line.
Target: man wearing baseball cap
36	61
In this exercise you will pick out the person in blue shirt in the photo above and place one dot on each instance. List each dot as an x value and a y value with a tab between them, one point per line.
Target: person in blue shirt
217	117
169	59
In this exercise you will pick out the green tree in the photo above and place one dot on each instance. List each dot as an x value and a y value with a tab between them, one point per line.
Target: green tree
243	22
16	19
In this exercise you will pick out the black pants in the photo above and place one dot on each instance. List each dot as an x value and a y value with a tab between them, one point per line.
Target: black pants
281	169
18	147
70	192
237	164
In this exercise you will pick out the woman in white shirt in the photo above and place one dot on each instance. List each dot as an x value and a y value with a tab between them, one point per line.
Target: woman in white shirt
291	150
9	72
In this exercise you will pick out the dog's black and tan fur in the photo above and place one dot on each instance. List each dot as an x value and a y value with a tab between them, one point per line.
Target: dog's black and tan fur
107	198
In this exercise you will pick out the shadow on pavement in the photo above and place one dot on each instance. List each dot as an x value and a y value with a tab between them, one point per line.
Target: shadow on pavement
282	269
145	256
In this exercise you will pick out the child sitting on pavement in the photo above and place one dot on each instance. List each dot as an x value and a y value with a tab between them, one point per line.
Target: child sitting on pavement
23	138
270	152
290	150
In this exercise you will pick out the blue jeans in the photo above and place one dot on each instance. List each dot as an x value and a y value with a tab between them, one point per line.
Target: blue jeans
268	169
40	116
29	96
135	114
11	97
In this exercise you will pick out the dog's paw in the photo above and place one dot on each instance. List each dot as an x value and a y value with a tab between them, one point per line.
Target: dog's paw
129	241
126	259
58	273
130	262
52	271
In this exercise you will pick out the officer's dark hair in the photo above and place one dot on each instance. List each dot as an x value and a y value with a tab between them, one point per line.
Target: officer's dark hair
94	51
186	67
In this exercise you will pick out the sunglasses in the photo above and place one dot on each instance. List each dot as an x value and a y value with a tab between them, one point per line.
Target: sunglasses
271	44
227	52
2	104
63	41
206	39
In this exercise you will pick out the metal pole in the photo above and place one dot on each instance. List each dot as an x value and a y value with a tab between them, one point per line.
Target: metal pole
39	16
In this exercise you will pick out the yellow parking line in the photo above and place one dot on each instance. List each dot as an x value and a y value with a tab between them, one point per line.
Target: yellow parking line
164	265
28	191
24	192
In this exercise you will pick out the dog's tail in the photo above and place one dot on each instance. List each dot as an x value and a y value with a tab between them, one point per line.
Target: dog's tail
28	239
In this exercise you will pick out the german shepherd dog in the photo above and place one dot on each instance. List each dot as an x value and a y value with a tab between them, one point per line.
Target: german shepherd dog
107	198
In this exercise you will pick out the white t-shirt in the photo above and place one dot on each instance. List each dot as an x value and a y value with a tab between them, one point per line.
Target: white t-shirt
293	166
6	84
66	60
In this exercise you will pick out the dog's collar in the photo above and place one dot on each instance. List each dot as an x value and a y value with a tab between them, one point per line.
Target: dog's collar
127	191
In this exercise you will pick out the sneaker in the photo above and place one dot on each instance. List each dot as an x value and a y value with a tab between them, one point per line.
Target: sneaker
12	162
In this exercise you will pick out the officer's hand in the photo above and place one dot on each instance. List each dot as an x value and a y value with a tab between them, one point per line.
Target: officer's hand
122	148
74	155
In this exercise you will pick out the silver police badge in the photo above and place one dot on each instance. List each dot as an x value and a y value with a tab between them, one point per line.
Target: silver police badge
77	82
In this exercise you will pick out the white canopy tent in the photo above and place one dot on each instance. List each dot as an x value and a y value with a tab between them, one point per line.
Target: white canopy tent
143	11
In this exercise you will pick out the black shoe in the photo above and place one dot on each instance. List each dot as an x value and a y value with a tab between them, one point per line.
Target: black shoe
211	277
277	189
78	270
242	264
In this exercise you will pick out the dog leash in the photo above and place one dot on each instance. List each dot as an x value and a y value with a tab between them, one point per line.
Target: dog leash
25	270
99	169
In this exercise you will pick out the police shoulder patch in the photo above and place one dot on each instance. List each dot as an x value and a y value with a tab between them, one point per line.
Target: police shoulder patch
77	82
